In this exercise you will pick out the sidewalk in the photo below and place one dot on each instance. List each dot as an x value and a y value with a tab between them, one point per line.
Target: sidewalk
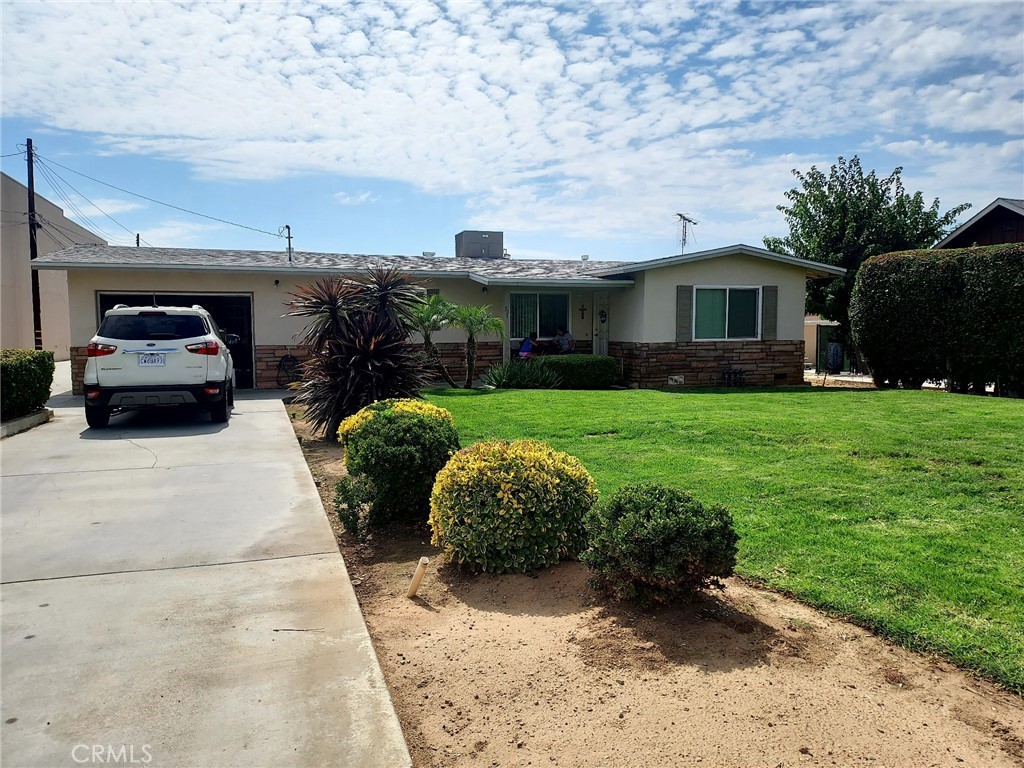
172	591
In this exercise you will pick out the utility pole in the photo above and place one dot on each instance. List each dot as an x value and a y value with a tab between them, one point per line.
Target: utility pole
289	230
138	236
33	246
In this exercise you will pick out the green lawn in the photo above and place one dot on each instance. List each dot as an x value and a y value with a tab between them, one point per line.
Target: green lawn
901	510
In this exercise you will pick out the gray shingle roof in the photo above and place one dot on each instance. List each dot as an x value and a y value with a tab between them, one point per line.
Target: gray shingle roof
482	270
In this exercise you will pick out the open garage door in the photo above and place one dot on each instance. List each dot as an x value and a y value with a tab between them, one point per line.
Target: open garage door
233	313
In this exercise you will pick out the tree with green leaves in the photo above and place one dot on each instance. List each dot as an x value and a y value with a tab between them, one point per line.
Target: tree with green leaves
428	317
846	217
475	321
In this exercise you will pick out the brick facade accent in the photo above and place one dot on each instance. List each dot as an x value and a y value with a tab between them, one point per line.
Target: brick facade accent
78	358
703	364
453	355
267	373
268	357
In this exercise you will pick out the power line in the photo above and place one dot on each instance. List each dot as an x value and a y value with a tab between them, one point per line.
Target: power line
22	152
57	236
69	202
49	173
160	202
62	229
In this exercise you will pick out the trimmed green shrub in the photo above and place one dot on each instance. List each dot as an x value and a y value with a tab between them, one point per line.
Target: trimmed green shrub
521	374
582	371
655	544
26	376
511	507
953	314
393	451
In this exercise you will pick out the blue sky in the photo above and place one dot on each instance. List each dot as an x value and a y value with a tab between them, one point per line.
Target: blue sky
388	127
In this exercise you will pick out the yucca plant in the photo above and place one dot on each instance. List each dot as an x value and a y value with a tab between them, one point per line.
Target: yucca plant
475	321
427	317
357	335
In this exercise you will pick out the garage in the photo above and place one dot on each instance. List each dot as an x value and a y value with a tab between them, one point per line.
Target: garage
232	312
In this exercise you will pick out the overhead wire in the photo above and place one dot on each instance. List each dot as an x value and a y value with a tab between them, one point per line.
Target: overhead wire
56	235
160	202
49	174
68	232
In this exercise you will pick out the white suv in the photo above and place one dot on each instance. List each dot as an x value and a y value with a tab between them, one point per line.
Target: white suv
158	356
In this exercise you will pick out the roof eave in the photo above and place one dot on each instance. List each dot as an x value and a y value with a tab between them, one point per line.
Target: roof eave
814	269
999	202
550	282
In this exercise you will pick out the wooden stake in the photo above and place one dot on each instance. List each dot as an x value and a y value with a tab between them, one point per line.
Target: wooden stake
417	578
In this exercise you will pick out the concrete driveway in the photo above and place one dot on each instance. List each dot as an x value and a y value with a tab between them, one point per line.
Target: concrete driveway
173	596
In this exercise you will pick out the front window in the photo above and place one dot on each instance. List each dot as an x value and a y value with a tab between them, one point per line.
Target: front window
540	312
726	313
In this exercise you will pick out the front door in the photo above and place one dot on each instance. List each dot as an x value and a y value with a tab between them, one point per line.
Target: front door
601	323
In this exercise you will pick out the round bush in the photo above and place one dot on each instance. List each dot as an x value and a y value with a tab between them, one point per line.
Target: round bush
654	544
394	449
511	506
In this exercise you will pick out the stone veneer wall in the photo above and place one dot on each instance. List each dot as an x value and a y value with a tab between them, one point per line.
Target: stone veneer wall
268	357
703	364
453	355
78	358
267	362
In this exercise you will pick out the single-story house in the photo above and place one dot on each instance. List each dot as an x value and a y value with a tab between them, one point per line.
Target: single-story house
681	320
1001	221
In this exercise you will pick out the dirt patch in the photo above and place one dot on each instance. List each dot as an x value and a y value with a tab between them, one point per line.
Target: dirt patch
539	671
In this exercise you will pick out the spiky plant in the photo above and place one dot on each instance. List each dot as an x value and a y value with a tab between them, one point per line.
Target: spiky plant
357	334
475	321
429	316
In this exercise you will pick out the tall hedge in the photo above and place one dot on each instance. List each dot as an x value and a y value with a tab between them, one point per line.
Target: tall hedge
25	379
954	315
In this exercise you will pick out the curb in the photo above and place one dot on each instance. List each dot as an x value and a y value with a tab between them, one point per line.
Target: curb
14	426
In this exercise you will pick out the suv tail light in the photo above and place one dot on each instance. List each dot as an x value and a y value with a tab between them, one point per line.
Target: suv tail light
204	348
99	350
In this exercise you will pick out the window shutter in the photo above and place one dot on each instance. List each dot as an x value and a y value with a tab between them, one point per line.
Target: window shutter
684	313
769	312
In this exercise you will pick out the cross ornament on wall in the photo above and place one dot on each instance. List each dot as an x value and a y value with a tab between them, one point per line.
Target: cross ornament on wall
583	311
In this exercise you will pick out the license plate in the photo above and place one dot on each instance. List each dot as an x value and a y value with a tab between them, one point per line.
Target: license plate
151	359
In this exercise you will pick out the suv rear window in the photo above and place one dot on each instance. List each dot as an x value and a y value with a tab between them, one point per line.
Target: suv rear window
151	327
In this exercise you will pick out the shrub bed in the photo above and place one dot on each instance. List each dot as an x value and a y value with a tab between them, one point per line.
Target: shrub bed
582	371
511	506
26	376
520	374
654	544
393	451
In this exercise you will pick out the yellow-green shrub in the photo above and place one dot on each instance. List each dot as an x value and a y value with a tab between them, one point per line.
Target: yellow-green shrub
393	451
511	506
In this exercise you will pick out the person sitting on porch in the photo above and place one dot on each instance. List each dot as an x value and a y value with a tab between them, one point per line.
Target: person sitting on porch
529	349
564	341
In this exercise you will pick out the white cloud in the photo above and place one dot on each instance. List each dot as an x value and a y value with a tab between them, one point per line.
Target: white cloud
597	119
343	198
177	233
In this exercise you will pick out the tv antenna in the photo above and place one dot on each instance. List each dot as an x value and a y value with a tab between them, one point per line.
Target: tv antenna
684	222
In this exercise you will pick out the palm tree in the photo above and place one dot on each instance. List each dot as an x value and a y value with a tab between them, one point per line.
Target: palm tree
357	332
475	321
428	317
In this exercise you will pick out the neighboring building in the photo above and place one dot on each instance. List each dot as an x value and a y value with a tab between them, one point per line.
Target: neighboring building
689	318
1002	221
17	329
